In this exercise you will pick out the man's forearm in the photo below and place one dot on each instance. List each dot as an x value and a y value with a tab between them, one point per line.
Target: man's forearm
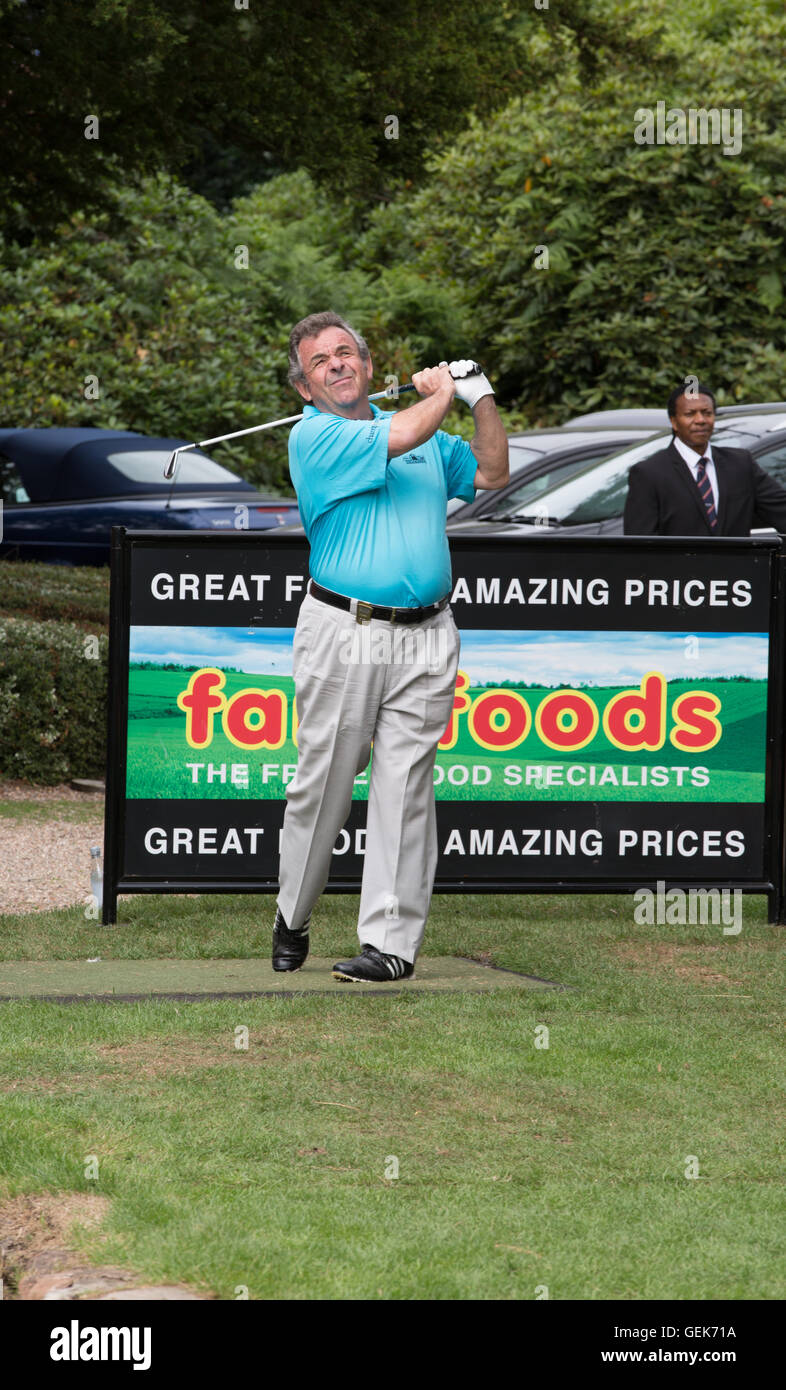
412	427
490	445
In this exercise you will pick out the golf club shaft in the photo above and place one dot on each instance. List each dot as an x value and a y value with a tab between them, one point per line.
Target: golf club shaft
169	470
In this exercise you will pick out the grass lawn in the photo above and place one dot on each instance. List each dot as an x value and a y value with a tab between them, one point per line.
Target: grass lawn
87	809
518	1166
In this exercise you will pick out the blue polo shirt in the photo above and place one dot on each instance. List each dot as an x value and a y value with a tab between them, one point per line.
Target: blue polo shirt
377	525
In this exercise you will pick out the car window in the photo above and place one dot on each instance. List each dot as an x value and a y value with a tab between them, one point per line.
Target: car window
774	463
533	487
598	492
519	455
735	437
147	466
12	490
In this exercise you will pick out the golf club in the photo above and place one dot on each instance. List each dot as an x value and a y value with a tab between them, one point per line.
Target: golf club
390	393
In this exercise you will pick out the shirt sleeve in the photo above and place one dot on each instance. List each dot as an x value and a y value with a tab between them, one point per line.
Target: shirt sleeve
642	512
331	458
460	465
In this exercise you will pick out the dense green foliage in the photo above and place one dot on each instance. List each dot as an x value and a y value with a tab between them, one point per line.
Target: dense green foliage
234	92
183	315
53	685
662	259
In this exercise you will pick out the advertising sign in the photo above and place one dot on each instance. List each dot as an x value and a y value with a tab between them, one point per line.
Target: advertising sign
613	721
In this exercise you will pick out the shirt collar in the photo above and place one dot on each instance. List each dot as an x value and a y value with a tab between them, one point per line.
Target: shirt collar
310	409
690	456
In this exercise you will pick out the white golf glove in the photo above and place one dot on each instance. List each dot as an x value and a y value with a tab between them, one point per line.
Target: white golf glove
471	384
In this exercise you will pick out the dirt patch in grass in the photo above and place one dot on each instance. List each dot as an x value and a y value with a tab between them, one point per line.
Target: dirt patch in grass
695	962
35	1223
160	1057
35	1230
54	1084
165	1056
136	1062
37	1264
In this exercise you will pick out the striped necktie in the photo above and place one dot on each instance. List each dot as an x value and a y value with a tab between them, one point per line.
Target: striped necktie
705	488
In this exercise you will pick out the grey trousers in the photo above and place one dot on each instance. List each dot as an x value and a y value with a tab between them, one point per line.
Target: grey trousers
357	684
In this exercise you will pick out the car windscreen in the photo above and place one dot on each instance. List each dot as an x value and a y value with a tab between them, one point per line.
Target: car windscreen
599	492
519	455
743	434
120	469
516	501
147	466
596	493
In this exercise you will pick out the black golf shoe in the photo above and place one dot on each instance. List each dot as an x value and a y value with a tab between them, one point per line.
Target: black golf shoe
372	967
290	948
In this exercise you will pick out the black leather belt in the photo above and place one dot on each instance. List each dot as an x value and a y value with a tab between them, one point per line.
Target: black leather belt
364	612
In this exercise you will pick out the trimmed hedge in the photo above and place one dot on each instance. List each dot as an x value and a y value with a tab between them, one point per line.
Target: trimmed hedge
78	593
53	693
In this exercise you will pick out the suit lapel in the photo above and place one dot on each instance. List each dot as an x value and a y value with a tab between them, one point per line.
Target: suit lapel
687	483
721	473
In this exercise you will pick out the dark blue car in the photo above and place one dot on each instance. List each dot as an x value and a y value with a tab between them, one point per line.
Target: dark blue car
62	490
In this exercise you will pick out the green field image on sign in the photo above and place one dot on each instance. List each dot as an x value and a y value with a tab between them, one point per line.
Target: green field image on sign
511	740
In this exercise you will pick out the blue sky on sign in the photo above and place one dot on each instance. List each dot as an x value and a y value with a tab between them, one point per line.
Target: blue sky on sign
611	657
533	658
258	650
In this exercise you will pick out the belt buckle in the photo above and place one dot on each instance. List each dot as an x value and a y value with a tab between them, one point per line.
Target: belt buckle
363	612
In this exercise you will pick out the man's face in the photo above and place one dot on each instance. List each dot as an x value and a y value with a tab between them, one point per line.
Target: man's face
693	421
337	377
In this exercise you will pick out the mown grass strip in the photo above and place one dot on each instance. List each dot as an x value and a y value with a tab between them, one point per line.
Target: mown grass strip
273	1166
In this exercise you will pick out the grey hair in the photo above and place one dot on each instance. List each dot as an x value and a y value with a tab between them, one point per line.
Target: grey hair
309	328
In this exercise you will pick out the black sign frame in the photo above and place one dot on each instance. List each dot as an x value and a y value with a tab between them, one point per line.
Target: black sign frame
558	553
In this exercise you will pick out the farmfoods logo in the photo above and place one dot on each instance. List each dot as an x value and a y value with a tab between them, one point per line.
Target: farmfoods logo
635	720
572	715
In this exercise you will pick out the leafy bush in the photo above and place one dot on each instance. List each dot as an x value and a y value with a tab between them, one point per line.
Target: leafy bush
53	692
663	260
183	315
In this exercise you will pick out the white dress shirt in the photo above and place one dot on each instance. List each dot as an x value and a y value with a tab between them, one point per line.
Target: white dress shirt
692	459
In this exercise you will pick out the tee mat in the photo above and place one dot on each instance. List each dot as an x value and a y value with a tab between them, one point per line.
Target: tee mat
77	981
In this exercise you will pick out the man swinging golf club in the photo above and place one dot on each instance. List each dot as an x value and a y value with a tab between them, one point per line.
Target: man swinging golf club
373	490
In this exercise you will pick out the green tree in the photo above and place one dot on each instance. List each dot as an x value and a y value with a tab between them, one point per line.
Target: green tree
235	94
661	260
183	315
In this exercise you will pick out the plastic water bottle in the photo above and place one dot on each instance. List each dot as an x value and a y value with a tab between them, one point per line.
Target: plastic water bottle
96	875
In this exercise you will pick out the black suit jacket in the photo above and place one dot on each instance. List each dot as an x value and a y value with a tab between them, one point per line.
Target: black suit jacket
664	500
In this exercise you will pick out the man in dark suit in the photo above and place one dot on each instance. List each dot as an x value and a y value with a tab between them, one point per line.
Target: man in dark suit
693	489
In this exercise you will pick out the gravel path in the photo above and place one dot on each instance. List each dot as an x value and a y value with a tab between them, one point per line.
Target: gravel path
45	861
